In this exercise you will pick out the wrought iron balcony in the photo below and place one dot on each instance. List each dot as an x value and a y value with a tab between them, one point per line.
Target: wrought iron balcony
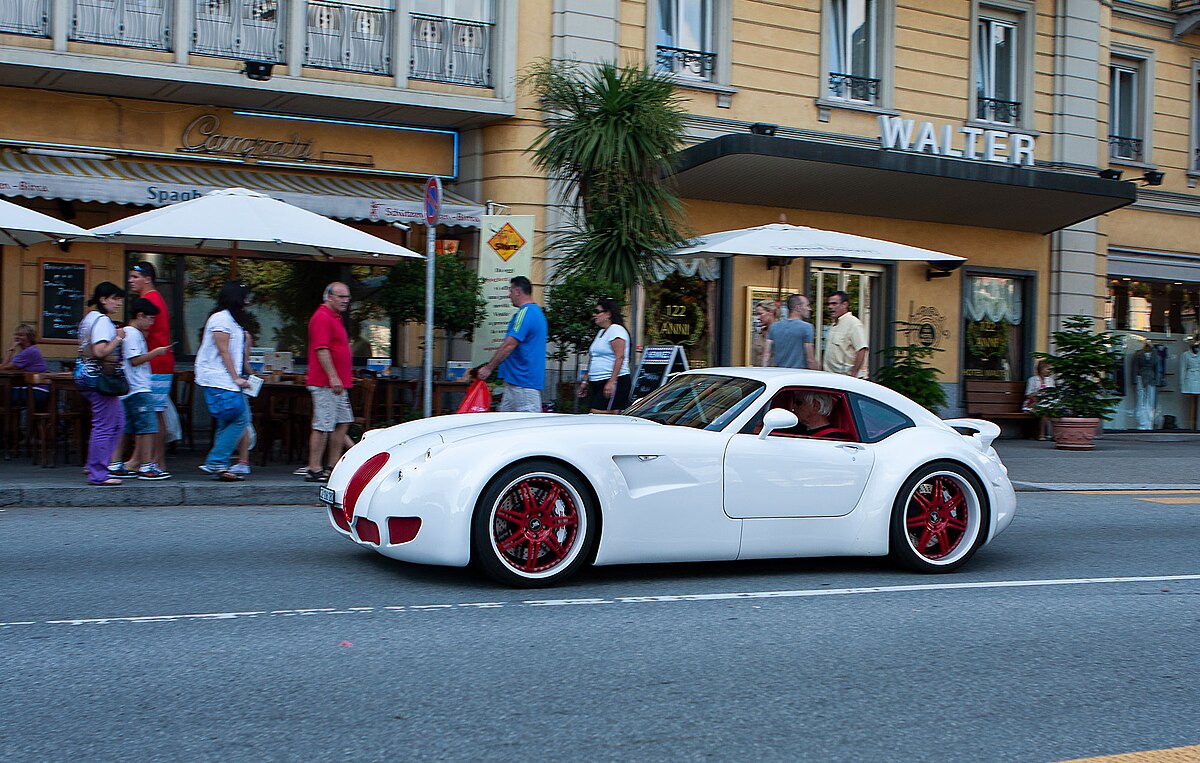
998	111
848	87
457	51
1124	147
696	64
31	17
349	37
131	23
246	29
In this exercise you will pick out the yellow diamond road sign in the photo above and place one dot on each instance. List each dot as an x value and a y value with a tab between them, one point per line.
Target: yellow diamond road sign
506	242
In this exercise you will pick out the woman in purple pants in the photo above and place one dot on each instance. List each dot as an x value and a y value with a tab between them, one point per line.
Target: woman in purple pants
100	342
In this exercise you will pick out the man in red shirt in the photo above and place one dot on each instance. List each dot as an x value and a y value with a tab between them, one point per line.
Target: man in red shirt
329	379
162	367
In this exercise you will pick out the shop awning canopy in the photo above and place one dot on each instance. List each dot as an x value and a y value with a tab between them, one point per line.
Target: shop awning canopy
782	241
790	173
21	227
160	183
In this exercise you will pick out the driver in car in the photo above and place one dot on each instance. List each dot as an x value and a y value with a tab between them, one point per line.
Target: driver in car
813	410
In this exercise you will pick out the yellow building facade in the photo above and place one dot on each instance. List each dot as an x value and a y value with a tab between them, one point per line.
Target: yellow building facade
972	127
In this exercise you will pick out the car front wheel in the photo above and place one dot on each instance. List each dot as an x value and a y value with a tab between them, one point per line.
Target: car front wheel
534	525
939	518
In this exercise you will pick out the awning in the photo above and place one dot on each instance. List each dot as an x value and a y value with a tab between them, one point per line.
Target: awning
805	174
159	184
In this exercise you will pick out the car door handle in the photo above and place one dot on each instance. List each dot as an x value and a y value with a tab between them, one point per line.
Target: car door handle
850	446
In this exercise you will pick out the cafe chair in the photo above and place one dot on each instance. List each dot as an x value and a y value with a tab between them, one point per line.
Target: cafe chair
58	423
183	388
362	402
11	396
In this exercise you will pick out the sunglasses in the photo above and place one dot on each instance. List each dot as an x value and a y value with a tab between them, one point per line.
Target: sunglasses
599	310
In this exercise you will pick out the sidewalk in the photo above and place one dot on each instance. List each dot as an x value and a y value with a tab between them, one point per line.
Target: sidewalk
1125	461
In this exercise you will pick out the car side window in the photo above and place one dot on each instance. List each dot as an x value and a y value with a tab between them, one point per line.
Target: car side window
828	418
878	421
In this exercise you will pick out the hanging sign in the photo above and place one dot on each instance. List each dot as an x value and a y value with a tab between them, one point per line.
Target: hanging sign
658	363
507	251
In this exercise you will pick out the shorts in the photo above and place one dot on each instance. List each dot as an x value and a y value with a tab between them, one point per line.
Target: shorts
598	401
330	410
517	399
160	391
140	416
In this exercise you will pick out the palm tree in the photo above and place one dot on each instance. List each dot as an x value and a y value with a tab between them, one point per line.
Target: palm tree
610	135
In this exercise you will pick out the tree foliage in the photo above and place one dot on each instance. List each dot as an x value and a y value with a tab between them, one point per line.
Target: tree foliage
1082	366
905	369
458	303
610	135
568	309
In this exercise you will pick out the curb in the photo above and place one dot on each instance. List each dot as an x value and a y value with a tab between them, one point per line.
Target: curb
1059	487
161	495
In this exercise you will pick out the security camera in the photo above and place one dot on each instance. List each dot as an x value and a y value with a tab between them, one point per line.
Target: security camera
400	226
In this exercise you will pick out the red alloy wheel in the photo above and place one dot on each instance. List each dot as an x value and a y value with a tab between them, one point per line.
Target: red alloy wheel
536	523
938	516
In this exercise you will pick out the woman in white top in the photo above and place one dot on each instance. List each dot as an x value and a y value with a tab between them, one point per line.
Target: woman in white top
100	344
607	388
220	373
1033	387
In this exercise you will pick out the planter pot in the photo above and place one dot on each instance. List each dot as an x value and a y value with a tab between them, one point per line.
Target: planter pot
1075	433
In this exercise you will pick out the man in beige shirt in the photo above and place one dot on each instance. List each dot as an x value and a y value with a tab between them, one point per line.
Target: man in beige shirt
846	345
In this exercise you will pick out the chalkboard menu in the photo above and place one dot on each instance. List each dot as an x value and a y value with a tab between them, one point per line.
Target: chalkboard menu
657	364
61	299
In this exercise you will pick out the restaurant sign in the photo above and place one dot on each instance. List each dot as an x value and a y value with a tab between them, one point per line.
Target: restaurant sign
899	134
203	136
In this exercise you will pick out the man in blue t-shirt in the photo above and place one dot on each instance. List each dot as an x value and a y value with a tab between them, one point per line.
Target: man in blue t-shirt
521	357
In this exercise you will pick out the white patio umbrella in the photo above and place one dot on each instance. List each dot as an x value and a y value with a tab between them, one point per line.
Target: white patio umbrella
21	227
237	218
785	241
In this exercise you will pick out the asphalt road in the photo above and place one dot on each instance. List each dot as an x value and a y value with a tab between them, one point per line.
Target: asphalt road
257	634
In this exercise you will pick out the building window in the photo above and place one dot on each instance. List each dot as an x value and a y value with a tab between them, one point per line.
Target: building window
684	41
451	41
997	86
1194	160
994	324
1126	136
852	33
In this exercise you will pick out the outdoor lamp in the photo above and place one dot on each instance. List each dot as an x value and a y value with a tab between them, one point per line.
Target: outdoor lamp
1152	177
762	128
941	269
1110	174
258	70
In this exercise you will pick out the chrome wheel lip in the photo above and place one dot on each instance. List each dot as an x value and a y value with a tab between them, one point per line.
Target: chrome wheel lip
974	519
580	534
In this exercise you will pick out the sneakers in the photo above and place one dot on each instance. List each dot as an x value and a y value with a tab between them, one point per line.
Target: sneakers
210	469
121	472
300	471
152	472
240	467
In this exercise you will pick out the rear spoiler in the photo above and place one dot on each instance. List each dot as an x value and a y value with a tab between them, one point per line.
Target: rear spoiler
980	431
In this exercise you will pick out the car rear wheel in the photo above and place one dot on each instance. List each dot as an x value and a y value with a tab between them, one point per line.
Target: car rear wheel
534	525
939	518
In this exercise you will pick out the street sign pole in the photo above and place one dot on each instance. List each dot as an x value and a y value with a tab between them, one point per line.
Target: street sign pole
433	203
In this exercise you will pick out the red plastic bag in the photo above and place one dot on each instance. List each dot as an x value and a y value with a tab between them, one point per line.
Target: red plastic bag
478	398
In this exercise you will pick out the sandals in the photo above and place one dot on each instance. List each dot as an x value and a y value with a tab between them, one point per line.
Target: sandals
110	482
228	476
318	476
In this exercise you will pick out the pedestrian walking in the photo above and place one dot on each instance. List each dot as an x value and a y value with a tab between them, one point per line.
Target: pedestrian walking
520	360
791	340
766	312
141	283
330	376
607	388
220	373
99	355
845	350
141	419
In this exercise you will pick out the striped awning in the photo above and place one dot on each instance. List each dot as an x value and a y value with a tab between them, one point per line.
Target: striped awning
160	183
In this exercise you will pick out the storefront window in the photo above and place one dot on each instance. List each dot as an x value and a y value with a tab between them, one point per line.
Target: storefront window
993	332
1154	306
677	313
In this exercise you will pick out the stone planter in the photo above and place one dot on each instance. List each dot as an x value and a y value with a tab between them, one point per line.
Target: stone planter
1075	433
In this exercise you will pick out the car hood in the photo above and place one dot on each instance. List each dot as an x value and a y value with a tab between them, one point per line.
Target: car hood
465	426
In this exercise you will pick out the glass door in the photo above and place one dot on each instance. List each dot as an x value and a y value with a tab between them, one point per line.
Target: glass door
862	283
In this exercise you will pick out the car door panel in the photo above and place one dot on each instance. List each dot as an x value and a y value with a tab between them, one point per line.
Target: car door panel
782	476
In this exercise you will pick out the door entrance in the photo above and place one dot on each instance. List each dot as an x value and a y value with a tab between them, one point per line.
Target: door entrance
863	283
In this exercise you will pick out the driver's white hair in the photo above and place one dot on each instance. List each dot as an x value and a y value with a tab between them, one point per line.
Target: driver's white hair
823	401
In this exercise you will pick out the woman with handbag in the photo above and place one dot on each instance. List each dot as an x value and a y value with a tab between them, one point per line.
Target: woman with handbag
98	377
220	373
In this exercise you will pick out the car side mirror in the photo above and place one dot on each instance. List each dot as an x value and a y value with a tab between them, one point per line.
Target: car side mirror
777	418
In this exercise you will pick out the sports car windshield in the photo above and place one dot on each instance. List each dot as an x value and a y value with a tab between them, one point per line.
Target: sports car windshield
700	401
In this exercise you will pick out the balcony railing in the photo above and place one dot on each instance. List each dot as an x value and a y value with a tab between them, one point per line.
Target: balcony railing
349	37
848	87
131	23
1124	147
696	64
246	29
451	50
30	17
998	111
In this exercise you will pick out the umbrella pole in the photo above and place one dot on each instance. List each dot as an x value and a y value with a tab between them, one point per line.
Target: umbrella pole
233	262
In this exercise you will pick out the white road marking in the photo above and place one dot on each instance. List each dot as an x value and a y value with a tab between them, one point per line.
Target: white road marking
661	599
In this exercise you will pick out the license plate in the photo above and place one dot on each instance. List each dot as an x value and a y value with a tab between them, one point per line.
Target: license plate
326	494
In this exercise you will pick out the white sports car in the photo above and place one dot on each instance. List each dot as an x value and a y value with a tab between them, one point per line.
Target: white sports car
715	465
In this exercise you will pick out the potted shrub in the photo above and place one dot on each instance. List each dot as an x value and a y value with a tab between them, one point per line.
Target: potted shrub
1084	388
905	369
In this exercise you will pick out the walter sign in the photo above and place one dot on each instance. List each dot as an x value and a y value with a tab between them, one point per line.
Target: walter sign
899	134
